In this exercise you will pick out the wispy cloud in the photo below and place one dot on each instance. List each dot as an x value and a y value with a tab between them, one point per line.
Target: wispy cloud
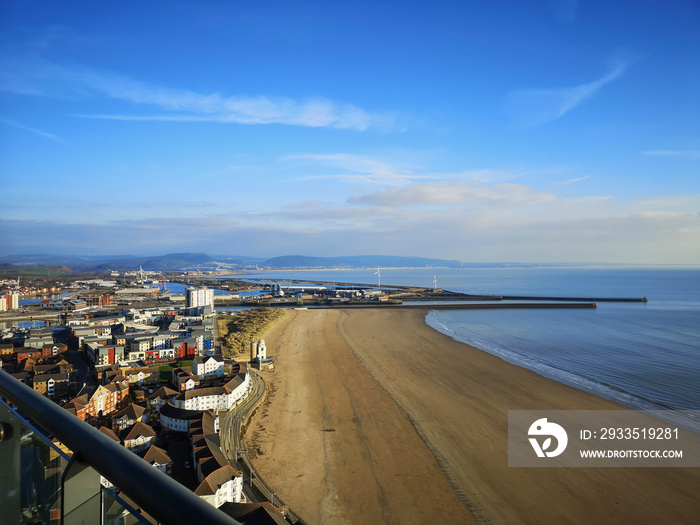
48	79
398	171
190	107
572	181
540	106
674	203
655	230
36	131
695	154
357	169
458	193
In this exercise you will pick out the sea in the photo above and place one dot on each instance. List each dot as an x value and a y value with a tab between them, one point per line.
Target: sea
642	355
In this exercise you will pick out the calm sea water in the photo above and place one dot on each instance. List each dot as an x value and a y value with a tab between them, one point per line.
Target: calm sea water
643	355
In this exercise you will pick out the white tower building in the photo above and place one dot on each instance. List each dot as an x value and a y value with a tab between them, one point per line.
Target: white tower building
199	297
262	350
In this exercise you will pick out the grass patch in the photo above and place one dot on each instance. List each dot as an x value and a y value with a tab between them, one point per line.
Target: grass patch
166	371
236	333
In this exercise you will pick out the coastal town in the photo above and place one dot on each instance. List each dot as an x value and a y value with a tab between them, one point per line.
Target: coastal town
291	401
146	369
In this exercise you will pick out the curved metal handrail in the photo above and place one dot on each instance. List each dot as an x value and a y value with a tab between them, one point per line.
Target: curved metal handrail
160	496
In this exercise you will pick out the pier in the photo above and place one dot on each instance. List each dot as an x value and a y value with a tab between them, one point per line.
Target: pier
594	299
460	306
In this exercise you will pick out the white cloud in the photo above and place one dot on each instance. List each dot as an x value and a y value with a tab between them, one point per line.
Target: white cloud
653	230
399	171
48	79
457	193
357	169
572	181
682	204
535	107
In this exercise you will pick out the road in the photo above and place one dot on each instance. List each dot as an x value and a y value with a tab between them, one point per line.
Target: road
254	487
230	423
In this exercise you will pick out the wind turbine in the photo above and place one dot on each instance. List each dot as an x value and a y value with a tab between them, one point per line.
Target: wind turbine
379	277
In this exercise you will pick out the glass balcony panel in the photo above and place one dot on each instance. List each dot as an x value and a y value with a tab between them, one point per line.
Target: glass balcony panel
31	471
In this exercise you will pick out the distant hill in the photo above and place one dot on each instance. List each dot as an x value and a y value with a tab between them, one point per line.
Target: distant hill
357	261
72	261
187	261
39	270
171	261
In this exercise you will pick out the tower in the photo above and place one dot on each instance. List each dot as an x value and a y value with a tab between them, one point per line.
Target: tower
253	350
201	296
262	350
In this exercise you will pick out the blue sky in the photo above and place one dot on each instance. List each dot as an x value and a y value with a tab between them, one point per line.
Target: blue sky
523	130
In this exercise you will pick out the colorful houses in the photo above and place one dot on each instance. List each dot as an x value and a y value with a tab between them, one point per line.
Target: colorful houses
105	400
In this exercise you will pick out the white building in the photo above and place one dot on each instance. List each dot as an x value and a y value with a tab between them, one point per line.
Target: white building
197	297
139	437
208	366
262	350
177	419
221	486
215	398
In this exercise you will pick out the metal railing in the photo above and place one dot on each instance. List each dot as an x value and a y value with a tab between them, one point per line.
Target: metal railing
158	495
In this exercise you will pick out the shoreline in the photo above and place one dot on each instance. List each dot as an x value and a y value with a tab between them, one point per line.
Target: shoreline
453	401
594	387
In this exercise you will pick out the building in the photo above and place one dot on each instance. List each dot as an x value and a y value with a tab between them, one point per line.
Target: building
159	458
10	301
54	349
224	485
96	300
262	360
100	354
26	353
160	397
139	437
7	349
39	338
219	481
132	374
215	398
128	416
52	385
198	297
178	419
105	400
208	367
72	306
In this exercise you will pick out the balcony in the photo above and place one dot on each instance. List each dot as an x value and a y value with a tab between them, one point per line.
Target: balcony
58	469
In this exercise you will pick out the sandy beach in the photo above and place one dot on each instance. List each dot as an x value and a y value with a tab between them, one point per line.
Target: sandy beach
374	417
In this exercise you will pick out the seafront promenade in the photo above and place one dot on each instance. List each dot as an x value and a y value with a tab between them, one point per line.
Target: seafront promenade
234	447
